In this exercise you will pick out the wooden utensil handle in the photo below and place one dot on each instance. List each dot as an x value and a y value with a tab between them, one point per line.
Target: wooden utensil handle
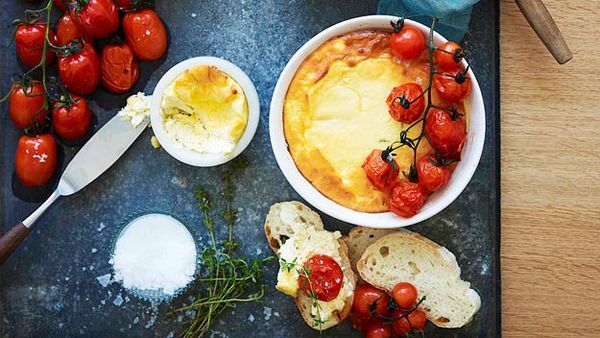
543	24
11	240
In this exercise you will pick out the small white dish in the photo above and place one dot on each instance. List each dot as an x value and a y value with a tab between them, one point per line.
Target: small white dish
188	156
465	169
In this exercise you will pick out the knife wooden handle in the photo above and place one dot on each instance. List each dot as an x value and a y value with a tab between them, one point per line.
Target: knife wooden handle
11	240
543	24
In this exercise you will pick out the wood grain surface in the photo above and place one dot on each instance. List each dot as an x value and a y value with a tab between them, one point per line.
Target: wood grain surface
551	175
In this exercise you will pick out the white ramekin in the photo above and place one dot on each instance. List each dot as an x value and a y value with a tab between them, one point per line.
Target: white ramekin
188	156
471	152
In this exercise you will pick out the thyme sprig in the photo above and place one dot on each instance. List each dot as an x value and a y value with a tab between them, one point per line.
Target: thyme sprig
229	279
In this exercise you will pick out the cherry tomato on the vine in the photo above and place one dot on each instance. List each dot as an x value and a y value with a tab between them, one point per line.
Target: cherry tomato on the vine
370	301
35	160
120	69
407	42
405	295
446	131
96	18
79	69
67	30
325	278
453	86
26	105
378	329
448	56
432	175
406	102
400	324
417	319
359	323
71	120
380	173
145	34
29	42
407	198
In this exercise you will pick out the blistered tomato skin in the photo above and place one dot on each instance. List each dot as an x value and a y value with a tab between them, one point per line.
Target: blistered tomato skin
446	56
145	34
35	160
71	122
120	69
96	18
68	30
450	88
445	133
407	198
25	105
29	43
432	177
80	72
410	95
379	172
325	278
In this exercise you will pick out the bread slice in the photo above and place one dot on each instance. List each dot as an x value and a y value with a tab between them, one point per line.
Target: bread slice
282	222
360	238
405	256
284	219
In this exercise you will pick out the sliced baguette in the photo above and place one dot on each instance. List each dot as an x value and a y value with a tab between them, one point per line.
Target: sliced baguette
408	256
360	238
284	219
282	222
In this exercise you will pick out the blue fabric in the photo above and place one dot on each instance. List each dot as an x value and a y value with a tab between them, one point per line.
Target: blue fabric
454	14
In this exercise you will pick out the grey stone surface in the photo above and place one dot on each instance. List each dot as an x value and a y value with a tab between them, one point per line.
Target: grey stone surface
54	285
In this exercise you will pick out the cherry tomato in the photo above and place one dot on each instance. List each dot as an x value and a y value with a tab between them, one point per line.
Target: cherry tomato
80	70
96	18
359	323
402	323
120	69
62	5
405	295
67	30
369	300
26	105
406	102
325	277
432	175
407	198
124	4
29	42
71	119
446	132
378	329
35	160
145	34
448	55
407	43
417	319
452	86
381	173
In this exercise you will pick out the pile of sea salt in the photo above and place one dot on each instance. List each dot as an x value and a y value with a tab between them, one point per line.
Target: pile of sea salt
155	256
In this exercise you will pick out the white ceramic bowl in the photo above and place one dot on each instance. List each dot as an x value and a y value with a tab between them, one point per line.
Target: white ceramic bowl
471	152
193	157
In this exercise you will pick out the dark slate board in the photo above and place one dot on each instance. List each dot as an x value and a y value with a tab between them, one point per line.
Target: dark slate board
49	288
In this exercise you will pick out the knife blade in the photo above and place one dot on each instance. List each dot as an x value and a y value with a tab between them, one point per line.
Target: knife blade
94	158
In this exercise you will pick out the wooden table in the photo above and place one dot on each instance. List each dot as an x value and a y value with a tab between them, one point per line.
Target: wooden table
551	175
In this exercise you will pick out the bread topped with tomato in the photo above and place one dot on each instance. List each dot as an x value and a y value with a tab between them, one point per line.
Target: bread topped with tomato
314	264
405	256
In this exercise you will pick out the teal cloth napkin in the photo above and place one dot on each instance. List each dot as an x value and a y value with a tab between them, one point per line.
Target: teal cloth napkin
454	14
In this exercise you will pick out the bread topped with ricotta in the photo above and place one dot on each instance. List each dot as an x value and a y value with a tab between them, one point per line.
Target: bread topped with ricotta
296	233
405	256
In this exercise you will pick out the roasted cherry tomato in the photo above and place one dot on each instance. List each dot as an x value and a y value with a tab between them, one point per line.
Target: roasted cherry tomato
96	18
405	295
325	277
406	102
124	4
407	42
120	69
35	160
400	324
71	119
61	4
381	173
407	198
452	86
433	175
367	298
67	30
145	34
446	131
448	56
378	329
417	319
29	42
359	323
26	105
79	69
